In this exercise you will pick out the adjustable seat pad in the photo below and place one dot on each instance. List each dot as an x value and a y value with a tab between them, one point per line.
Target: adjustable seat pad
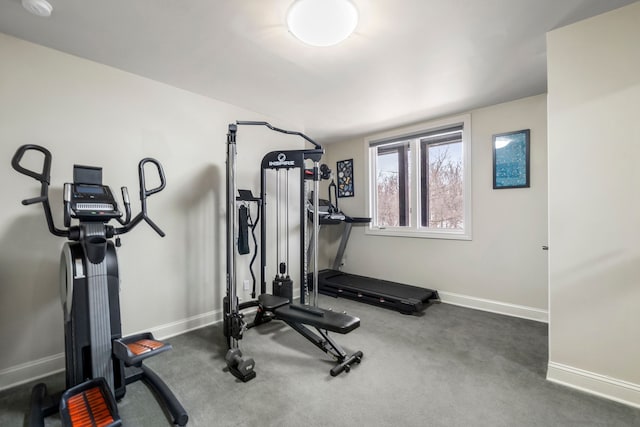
271	302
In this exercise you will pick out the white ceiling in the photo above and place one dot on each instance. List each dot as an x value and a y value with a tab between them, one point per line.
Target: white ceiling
409	60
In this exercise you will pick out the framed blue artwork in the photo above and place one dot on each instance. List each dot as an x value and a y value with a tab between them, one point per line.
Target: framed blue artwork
345	178
511	159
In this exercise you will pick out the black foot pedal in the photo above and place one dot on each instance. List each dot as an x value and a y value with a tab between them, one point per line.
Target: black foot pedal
134	349
89	404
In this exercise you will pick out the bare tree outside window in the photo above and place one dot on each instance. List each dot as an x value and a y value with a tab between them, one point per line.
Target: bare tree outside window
392	182
420	181
388	199
441	187
445	187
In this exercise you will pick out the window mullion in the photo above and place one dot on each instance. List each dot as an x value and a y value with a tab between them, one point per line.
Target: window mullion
423	190
402	185
373	182
415	184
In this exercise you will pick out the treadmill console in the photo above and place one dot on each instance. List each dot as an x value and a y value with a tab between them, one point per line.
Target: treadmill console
89	200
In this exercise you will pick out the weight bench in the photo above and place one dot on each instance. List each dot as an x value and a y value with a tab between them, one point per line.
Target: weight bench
324	321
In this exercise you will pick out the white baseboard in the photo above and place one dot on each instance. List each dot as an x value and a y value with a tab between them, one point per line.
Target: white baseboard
172	329
514	310
30	371
597	384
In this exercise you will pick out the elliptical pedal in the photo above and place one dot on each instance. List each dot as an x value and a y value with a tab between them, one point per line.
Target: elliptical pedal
134	349
89	404
144	346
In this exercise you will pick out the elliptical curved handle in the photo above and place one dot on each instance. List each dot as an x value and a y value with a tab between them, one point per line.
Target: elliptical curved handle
144	193
44	178
45	175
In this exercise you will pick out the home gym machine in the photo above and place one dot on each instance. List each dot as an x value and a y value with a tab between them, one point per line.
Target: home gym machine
279	305
99	361
404	298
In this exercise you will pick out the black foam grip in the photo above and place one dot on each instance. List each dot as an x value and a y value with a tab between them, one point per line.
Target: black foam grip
243	231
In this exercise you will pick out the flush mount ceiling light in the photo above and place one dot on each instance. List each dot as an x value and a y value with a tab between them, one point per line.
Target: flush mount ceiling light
38	7
322	22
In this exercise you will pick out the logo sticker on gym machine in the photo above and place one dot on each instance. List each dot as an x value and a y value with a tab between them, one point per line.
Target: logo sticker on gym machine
282	161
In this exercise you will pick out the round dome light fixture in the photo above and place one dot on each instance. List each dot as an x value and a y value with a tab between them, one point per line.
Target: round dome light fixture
38	7
322	22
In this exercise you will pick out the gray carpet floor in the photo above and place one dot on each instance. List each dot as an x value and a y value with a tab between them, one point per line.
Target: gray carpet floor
451	366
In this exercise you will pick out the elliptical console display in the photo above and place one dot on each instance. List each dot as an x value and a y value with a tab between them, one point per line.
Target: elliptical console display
89	199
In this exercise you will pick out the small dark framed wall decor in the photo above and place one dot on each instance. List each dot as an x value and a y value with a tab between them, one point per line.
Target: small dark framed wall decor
345	178
511	159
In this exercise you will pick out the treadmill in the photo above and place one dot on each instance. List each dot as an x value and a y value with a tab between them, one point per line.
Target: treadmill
404	298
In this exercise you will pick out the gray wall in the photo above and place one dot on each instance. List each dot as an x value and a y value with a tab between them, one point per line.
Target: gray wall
594	207
503	267
87	113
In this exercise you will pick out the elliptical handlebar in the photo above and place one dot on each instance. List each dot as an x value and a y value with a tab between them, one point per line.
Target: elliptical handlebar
44	178
143	188
127	206
144	193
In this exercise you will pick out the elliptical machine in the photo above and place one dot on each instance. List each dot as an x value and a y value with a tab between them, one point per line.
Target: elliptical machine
99	362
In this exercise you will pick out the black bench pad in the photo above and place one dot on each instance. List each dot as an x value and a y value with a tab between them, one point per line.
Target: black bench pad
271	302
330	320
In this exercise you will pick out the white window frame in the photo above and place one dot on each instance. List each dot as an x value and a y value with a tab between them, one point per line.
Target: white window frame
415	229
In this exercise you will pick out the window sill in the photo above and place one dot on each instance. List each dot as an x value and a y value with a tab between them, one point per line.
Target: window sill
421	234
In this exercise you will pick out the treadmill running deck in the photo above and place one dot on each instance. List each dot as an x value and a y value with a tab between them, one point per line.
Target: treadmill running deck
404	298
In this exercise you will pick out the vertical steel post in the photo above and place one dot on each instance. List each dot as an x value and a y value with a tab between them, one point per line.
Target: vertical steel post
316	227
231	220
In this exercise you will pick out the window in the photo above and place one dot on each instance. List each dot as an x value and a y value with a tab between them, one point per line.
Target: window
420	181
392	184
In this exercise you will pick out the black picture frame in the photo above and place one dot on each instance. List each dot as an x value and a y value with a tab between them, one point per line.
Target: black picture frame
344	172
511	159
